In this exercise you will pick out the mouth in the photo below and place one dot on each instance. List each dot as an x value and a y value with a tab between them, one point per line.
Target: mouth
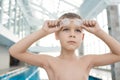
71	42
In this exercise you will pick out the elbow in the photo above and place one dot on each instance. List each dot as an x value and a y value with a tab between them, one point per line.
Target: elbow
116	52
15	52
11	51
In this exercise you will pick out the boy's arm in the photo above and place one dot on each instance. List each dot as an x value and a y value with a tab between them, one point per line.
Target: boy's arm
19	50
114	45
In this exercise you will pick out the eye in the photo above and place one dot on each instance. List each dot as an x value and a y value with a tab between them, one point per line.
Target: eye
78	30
66	29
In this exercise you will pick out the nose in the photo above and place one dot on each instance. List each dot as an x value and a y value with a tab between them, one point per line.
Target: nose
72	34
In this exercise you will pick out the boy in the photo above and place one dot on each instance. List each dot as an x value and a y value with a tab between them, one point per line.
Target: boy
67	66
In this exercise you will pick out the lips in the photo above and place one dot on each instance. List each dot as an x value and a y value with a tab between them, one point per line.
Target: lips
71	42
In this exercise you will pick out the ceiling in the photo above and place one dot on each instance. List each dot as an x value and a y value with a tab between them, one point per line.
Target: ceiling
36	11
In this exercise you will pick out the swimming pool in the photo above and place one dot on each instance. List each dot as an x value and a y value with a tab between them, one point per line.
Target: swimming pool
25	73
28	73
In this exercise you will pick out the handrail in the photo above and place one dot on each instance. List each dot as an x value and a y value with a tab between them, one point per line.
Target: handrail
32	74
13	73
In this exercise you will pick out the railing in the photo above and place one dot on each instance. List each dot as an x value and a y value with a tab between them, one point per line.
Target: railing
26	73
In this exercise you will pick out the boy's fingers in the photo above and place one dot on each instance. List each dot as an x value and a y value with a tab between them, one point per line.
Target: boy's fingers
83	26
89	23
59	22
55	29
93	22
85	22
56	22
50	23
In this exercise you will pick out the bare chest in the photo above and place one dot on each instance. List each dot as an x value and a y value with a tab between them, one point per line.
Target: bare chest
61	70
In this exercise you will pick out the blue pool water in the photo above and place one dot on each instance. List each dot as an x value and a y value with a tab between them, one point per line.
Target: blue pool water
94	78
29	73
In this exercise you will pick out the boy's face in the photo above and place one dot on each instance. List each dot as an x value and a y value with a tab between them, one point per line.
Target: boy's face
71	34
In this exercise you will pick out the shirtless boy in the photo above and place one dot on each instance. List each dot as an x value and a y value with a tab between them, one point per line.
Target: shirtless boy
68	30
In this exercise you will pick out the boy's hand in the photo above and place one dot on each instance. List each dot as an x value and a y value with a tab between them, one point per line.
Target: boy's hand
51	26
91	26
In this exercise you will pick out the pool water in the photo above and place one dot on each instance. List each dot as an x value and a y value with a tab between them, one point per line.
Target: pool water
30	73
94	78
27	73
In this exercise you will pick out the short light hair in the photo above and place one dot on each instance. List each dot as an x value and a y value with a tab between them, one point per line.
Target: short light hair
70	16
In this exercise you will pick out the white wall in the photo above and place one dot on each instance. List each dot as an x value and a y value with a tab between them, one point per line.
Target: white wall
4	58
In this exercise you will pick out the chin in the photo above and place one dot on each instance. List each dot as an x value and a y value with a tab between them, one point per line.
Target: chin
71	48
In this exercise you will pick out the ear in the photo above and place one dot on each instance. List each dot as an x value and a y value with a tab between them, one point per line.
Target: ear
83	36
56	36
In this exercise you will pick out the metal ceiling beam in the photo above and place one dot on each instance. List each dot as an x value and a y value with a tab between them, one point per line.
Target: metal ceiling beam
115	2
25	8
45	11
70	4
91	8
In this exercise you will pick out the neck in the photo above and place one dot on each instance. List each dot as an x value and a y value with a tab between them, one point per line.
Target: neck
68	55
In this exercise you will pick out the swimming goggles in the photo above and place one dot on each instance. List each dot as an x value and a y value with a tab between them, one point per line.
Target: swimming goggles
66	21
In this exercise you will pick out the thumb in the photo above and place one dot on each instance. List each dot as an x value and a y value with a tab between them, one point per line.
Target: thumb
57	28
86	28
83	26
